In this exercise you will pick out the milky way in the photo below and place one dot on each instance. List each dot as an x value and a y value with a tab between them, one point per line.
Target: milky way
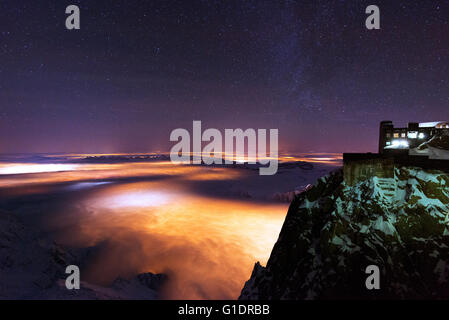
138	69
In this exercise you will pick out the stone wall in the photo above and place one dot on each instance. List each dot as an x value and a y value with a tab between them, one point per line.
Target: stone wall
358	167
362	169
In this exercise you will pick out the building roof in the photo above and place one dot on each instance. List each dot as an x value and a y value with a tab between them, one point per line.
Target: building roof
430	124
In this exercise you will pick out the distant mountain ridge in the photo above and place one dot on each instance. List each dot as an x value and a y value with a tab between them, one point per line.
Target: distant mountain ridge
34	268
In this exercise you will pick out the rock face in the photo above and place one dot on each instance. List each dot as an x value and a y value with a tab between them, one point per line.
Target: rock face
333	231
32	268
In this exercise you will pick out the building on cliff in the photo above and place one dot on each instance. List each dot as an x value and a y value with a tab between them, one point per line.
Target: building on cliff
424	145
393	139
389	209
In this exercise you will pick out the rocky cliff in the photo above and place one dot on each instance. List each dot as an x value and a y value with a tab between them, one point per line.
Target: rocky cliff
333	231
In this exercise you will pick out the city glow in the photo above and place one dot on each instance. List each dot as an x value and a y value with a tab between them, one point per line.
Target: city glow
35	168
135	199
157	217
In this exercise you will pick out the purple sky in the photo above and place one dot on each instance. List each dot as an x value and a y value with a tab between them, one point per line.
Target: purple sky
137	70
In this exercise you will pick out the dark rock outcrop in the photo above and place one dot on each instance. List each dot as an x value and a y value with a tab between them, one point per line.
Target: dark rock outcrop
333	231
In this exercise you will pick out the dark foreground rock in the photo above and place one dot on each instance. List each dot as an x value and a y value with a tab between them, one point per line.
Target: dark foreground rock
332	232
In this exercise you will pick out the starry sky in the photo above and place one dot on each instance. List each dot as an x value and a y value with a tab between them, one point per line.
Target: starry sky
138	69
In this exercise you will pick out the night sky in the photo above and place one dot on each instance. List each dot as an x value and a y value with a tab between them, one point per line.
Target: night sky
139	69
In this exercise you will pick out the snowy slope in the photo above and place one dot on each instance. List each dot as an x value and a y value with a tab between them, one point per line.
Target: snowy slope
435	148
31	268
333	232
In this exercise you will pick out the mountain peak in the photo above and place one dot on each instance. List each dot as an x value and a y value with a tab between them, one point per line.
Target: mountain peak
333	231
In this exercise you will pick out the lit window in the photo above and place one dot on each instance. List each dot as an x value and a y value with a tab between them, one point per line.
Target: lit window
397	144
421	135
396	135
403	134
412	135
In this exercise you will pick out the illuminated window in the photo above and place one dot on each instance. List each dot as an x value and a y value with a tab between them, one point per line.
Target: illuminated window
396	135
400	144
413	134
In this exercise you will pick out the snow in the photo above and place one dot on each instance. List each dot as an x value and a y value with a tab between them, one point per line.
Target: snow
376	218
385	226
34	268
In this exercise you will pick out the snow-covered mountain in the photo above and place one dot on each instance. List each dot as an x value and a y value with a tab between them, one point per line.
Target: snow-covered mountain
34	268
333	231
